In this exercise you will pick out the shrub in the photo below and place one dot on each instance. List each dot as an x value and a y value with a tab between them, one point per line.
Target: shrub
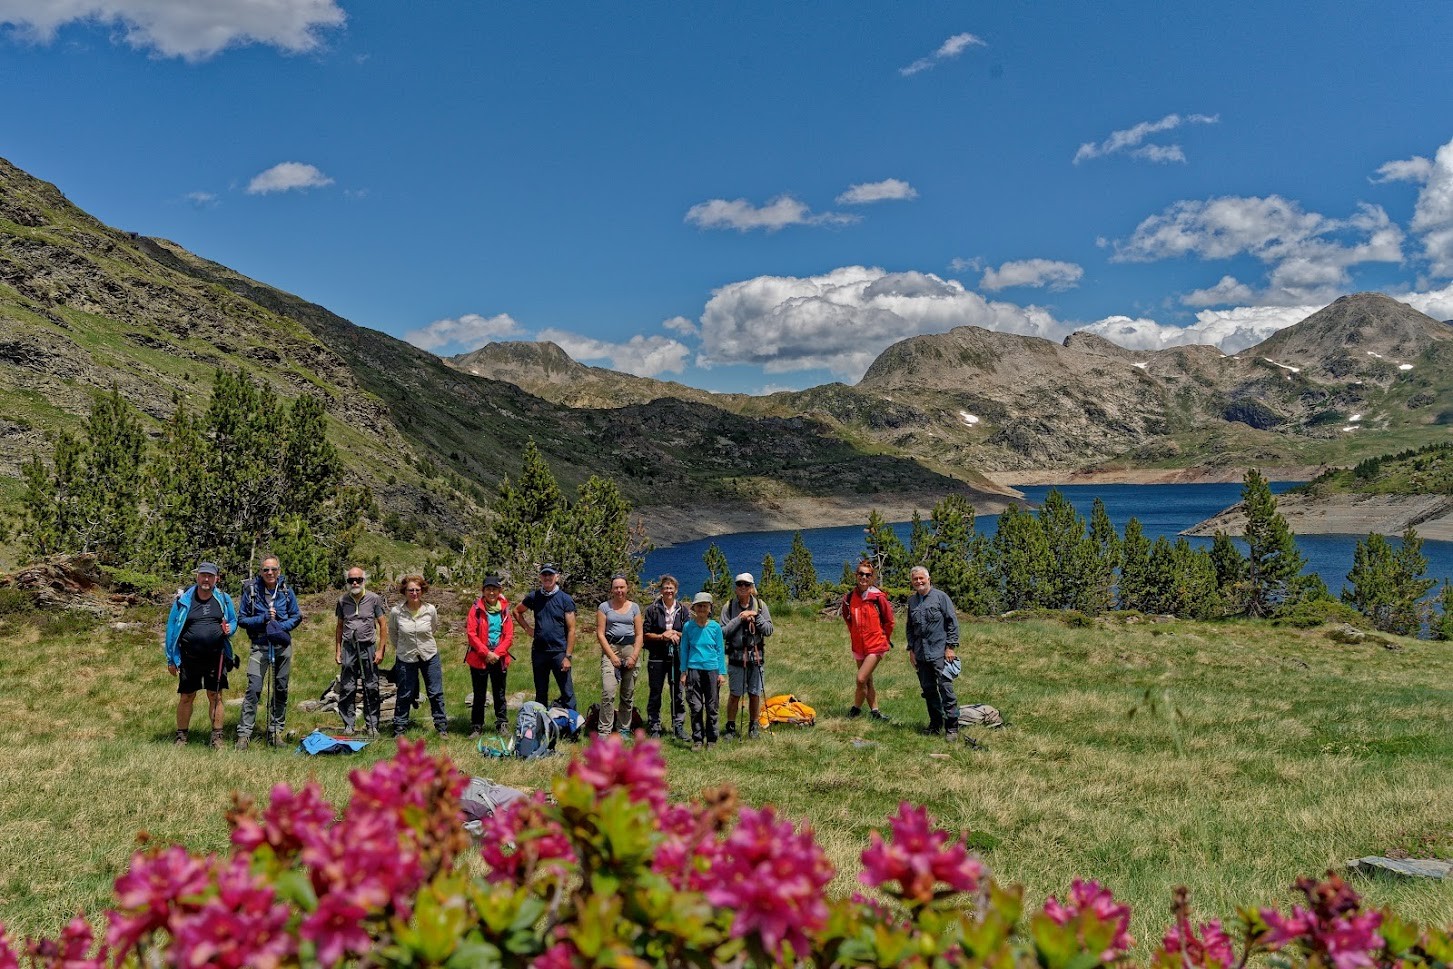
610	873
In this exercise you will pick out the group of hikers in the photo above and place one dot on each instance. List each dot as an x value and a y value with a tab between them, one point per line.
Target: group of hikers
689	651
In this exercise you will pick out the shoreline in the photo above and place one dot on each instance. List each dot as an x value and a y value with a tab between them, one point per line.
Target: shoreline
1431	515
1147	476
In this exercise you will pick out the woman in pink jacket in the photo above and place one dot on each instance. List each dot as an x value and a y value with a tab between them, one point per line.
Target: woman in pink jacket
869	616
491	632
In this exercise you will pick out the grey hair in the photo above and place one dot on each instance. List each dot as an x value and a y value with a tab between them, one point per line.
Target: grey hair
920	568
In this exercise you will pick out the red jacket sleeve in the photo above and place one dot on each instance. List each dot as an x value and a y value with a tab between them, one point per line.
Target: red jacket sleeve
887	615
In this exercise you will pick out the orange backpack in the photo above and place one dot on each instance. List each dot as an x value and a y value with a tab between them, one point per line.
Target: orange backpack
786	708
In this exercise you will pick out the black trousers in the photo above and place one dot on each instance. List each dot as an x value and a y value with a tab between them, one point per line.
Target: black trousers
543	664
704	697
488	682
938	693
659	672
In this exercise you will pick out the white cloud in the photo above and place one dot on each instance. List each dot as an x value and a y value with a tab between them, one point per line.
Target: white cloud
1309	254
644	356
888	190
1228	290
1437	303
468	332
1415	169
843	319
950	48
1057	276
1433	215
680	324
191	29
287	177
966	265
202	199
1229	330
780	212
1130	139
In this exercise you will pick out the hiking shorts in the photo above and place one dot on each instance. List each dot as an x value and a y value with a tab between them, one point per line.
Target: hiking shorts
745	680
202	671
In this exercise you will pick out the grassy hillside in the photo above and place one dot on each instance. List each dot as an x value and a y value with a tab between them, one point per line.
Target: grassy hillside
1421	471
1267	754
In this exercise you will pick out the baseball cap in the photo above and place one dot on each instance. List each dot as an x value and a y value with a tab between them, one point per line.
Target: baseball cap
208	568
493	580
549	569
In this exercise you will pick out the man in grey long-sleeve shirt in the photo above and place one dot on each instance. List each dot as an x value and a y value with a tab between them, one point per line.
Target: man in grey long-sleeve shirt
933	638
745	623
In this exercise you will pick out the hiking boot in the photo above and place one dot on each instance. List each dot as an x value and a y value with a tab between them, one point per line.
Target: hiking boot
710	744
242	743
877	714
501	726
730	733
930	731
679	732
181	738
398	731
753	733
654	731
951	735
696	745
274	739
443	733
217	743
475	733
349	731
371	732
854	712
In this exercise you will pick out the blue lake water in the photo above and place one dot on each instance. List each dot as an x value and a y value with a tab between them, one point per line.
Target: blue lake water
1162	510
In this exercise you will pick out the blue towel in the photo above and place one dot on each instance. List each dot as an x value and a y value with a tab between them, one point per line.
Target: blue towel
319	742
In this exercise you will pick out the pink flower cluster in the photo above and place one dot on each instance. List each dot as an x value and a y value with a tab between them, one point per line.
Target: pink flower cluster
1095	900
520	841
1333	926
1205	948
919	857
607	764
773	878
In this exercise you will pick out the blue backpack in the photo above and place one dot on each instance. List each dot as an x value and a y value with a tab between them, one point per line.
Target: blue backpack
535	732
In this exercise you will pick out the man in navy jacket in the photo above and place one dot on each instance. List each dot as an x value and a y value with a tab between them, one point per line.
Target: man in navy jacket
269	613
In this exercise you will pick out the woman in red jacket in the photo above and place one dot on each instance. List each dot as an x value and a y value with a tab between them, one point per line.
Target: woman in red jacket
869	617
491	632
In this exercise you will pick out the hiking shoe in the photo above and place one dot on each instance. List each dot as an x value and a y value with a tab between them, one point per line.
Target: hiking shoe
217	743
371	732
730	733
696	745
475	732
951	736
242	743
854	712
877	714
679	733
398	731
181	738
501	726
274	739
710	744
443	733
654	731
349	731
753	733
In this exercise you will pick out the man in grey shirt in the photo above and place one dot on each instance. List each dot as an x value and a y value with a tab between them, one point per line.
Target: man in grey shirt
359	640
933	639
746	622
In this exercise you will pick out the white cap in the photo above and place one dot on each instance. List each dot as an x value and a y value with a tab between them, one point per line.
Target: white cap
747	578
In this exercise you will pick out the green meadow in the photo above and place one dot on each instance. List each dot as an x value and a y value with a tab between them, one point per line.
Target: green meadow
1229	757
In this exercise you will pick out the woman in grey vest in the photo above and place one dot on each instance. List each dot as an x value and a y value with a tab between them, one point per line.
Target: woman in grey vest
618	624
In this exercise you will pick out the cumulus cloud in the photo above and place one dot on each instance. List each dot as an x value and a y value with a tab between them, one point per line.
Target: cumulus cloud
1057	276
960	265
1415	169
1131	140
1437	303
286	177
948	50
680	324
1228	290
843	319
188	29
644	356
468	332
780	212
1433	215
1308	254
1230	330
888	190
202	199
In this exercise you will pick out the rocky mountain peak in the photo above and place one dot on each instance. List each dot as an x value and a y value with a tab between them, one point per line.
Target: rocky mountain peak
1363	333
524	359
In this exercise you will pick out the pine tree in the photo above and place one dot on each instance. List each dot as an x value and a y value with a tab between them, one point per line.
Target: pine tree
1272	559
1101	554
176	481
798	571
1134	589
885	550
1388	584
112	493
1443	624
1022	560
949	547
718	573
1230	570
1063	530
770	585
596	541
919	541
525	526
980	595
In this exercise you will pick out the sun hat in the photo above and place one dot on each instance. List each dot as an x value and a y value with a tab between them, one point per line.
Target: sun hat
952	669
747	578
701	599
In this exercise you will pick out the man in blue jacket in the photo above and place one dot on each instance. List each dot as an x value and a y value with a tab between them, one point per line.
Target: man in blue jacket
199	648
269	613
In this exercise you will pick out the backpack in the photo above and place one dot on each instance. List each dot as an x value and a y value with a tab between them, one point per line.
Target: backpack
786	708
535	732
483	797
568	723
979	715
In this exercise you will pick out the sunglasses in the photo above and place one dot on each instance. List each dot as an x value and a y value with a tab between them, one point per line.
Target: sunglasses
865	575
740	584
412	589
355	582
269	570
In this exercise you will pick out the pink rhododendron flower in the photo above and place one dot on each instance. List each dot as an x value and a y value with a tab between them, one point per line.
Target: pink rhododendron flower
242	926
918	857
1333	926
518	841
290	818
773	878
336	928
1206	948
688	848
9	958
71	951
561	955
607	764
1095	899
157	885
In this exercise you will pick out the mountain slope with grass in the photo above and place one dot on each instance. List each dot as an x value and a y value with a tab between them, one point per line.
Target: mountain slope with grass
84	306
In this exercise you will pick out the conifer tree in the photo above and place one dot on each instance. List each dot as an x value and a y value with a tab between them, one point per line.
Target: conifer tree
770	585
177	479
980	595
885	550
54	500
919	540
1230	570
1100	553
798	571
1387	584
949	548
596	541
718	573
1022	560
1063	529
1272	559
115	459
1443	623
1134	589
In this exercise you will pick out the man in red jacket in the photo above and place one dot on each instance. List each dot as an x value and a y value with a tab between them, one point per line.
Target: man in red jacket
491	631
869	617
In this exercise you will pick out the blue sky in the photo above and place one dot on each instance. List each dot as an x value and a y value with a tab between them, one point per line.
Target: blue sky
753	196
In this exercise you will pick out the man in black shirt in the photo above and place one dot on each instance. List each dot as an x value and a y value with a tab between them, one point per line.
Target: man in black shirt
199	648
